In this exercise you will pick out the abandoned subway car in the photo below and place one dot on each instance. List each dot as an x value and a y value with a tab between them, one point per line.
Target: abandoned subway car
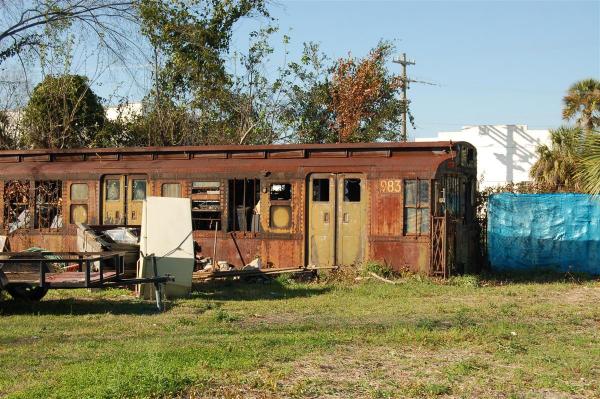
410	205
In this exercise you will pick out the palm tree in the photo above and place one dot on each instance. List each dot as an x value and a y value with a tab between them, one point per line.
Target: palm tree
588	169
556	167
583	102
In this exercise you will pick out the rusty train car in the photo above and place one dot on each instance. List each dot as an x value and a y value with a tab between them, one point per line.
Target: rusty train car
410	205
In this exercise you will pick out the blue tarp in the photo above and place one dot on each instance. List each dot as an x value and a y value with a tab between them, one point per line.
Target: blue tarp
544	231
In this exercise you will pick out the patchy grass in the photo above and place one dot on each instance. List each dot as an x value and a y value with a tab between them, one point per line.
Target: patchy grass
466	337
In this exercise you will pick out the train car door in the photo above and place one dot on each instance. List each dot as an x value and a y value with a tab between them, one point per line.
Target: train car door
321	223
336	219
122	199
350	219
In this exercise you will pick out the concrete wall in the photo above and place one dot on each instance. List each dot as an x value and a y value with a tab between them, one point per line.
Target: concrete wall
505	153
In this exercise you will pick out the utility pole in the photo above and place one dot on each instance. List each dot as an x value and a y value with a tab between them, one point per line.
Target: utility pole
405	81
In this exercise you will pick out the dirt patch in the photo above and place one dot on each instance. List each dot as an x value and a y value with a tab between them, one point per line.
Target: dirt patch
582	295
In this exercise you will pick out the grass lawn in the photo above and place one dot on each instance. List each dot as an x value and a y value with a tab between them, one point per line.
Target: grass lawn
419	338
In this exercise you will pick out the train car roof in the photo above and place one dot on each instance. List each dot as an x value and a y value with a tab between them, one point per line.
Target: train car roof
413	145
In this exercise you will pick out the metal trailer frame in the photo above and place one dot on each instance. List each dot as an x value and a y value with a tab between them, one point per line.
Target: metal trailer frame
84	277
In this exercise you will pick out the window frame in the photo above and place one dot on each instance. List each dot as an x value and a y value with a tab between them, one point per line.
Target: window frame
279	203
418	207
79	202
162	187
206	213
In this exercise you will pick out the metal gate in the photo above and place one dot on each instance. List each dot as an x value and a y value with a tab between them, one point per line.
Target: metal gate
443	245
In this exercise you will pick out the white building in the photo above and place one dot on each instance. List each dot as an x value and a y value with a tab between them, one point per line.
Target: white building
505	153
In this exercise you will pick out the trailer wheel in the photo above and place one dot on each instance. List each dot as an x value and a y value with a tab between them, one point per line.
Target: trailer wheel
26	292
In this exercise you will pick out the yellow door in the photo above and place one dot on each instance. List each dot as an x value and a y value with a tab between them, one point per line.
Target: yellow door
113	200
321	223
351	206
136	194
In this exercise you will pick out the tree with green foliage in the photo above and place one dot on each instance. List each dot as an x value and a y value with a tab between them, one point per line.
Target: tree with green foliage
351	100
191	39
582	103
308	115
556	167
63	112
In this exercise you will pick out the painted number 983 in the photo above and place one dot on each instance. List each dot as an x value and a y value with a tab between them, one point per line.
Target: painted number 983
389	186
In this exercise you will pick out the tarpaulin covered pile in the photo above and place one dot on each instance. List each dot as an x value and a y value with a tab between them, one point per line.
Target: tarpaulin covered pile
544	231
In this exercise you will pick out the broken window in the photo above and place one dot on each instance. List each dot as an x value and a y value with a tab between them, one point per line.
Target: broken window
171	190
416	207
16	205
281	192
48	204
320	190
244	205
351	190
206	187
206	205
452	192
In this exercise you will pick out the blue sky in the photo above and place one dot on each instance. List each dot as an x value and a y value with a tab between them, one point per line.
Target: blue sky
494	62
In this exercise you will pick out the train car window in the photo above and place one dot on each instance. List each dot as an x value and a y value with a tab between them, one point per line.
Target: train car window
416	207
351	190
79	213
113	190
138	192
48	204
244	205
171	190
206	205
17	201
79	192
206	187
320	190
281	192
280	212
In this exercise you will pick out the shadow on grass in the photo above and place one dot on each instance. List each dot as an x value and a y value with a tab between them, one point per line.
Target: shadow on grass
542	276
77	306
239	290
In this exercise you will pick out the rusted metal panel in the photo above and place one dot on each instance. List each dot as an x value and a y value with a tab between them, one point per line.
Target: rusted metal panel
403	255
287	154
35	157
173	155
370	153
209	155
386	220
100	156
328	154
137	157
248	155
69	157
9	158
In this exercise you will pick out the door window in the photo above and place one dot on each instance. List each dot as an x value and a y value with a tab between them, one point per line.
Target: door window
352	190
138	190
113	190
321	190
